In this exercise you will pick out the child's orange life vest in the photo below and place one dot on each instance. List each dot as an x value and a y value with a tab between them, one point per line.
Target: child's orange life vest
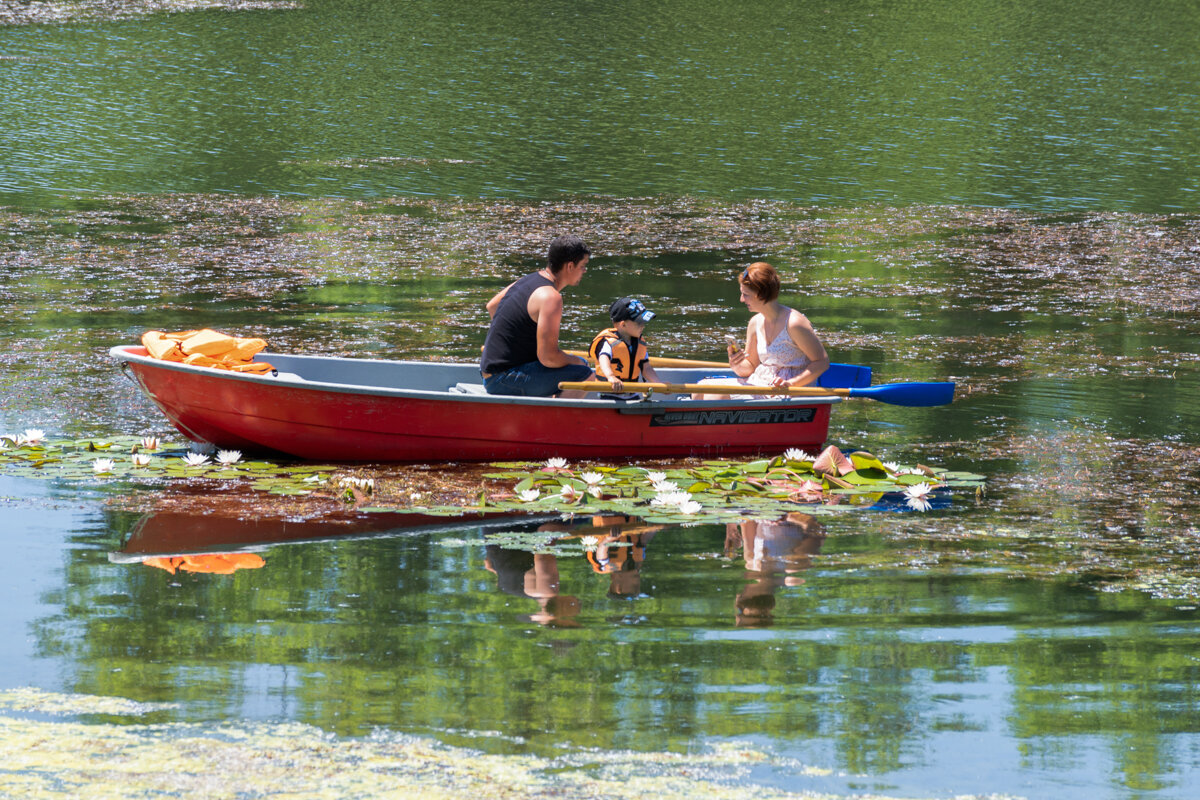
625	367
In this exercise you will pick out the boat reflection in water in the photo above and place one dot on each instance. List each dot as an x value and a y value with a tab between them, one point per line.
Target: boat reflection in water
522	552
774	552
212	543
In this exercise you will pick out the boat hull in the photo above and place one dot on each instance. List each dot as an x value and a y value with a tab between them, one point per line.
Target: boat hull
332	409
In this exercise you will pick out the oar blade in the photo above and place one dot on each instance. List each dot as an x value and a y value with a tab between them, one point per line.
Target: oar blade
909	394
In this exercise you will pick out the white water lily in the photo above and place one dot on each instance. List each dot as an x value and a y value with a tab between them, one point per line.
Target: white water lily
666	486
32	436
892	466
366	484
592	478
568	493
140	459
595	492
918	496
228	457
195	459
796	454
589	542
103	465
690	507
529	495
150	443
555	464
656	477
671	499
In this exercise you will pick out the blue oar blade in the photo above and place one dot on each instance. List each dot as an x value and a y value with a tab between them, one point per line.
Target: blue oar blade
909	394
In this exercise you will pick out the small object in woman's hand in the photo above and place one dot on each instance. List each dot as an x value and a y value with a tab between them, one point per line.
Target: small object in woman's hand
733	342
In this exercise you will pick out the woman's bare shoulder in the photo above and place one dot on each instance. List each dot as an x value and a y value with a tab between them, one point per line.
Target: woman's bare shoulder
797	318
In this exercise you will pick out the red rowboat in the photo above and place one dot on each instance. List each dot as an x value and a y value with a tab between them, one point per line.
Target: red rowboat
346	409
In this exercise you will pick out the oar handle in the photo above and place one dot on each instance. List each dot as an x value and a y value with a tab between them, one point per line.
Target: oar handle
897	394
657	361
705	388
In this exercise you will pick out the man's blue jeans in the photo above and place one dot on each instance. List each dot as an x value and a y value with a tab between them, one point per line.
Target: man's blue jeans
534	380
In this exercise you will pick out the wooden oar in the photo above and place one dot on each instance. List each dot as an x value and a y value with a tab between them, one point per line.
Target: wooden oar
681	363
897	394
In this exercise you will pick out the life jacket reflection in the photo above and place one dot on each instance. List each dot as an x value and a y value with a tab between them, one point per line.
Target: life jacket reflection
623	547
215	563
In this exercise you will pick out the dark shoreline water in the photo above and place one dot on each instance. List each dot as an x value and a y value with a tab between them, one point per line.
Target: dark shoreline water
1060	107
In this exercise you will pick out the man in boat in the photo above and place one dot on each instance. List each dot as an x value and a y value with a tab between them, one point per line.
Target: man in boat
521	355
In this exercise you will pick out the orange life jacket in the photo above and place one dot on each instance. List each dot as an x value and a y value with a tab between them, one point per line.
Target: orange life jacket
207	348
625	368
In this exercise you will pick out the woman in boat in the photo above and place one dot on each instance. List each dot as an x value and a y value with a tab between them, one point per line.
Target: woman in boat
521	355
782	349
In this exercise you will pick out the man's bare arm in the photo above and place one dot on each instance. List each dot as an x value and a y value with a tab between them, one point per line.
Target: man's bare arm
494	303
545	306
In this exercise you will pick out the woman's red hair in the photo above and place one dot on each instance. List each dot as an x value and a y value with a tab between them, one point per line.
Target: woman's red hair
762	279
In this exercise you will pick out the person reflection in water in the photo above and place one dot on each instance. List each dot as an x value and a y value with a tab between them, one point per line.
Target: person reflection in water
533	575
775	552
619	553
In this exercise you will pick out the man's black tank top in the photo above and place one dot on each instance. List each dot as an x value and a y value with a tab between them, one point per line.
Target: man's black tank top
512	338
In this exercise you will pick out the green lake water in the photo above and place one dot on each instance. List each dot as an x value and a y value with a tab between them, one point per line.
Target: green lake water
1004	196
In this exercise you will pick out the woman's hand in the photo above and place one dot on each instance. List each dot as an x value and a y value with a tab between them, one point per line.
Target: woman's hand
741	363
780	383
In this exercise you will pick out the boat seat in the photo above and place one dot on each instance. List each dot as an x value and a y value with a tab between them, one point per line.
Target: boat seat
468	388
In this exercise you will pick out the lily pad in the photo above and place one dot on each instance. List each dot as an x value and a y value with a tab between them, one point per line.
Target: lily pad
866	477
863	460
962	476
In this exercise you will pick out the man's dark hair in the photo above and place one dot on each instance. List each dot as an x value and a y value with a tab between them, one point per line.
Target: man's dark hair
565	250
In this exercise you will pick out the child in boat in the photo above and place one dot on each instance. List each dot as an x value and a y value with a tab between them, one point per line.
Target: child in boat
619	351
